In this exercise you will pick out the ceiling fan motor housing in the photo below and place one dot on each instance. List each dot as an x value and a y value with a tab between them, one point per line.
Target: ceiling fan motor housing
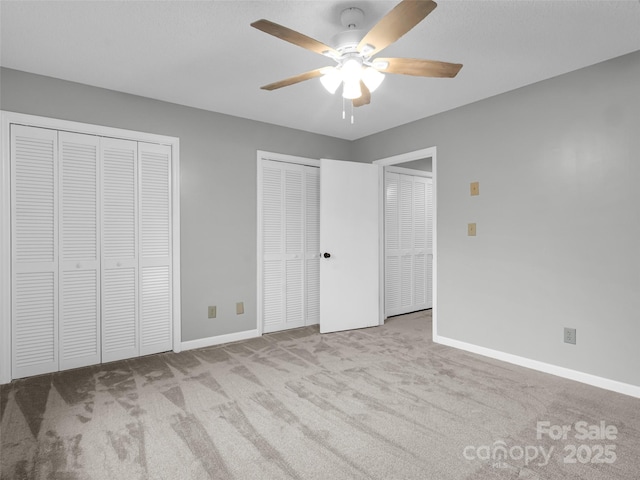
352	18
347	41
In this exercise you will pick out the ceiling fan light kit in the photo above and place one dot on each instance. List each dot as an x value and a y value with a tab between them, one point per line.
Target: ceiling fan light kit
356	71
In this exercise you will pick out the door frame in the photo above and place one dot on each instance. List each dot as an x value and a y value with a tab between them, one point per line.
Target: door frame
275	157
6	120
430	152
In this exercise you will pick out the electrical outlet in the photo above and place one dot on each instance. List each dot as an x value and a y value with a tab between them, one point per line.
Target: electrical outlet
239	308
475	188
212	312
570	335
471	229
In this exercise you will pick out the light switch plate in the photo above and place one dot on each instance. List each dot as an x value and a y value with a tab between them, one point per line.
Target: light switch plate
475	188
471	229
239	308
212	312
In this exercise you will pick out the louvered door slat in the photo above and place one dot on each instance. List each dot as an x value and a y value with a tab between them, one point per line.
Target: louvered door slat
155	309
119	319
119	204
79	319
405	210
156	317
34	266
272	295
79	250
34	323
294	292
272	209
119	249
293	211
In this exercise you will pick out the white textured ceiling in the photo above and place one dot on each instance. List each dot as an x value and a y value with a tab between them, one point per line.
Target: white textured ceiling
204	54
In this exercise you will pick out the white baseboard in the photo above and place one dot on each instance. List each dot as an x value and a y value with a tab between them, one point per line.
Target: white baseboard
607	384
219	339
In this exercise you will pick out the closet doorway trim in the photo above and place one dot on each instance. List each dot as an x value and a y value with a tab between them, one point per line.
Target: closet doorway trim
429	152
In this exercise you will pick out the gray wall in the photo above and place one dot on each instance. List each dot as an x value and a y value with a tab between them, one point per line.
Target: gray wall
218	184
558	225
558	217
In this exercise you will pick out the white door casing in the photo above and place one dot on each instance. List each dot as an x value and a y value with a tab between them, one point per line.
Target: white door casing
430	152
350	233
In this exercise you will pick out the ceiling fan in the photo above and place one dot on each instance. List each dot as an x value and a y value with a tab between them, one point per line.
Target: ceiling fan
356	70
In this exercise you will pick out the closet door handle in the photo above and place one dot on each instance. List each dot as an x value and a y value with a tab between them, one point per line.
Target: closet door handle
327	255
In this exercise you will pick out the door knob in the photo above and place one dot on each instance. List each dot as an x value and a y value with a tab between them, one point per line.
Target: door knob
327	255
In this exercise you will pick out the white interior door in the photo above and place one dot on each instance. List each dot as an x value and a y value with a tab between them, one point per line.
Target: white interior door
350	234
120	327
155	249
79	256
34	265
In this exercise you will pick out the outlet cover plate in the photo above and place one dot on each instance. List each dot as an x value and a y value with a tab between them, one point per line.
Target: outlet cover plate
212	312
570	335
239	308
475	188
471	229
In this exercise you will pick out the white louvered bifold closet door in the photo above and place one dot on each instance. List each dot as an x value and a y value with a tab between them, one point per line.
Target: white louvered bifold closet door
34	266
289	259
407	244
155	248
294	253
272	265
429	242
79	265
120	327
420	254
312	245
392	244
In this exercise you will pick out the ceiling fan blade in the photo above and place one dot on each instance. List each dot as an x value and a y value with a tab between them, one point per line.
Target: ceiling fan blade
404	16
297	78
364	99
294	37
418	67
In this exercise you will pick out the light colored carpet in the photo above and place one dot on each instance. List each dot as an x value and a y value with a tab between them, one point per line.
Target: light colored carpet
380	403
